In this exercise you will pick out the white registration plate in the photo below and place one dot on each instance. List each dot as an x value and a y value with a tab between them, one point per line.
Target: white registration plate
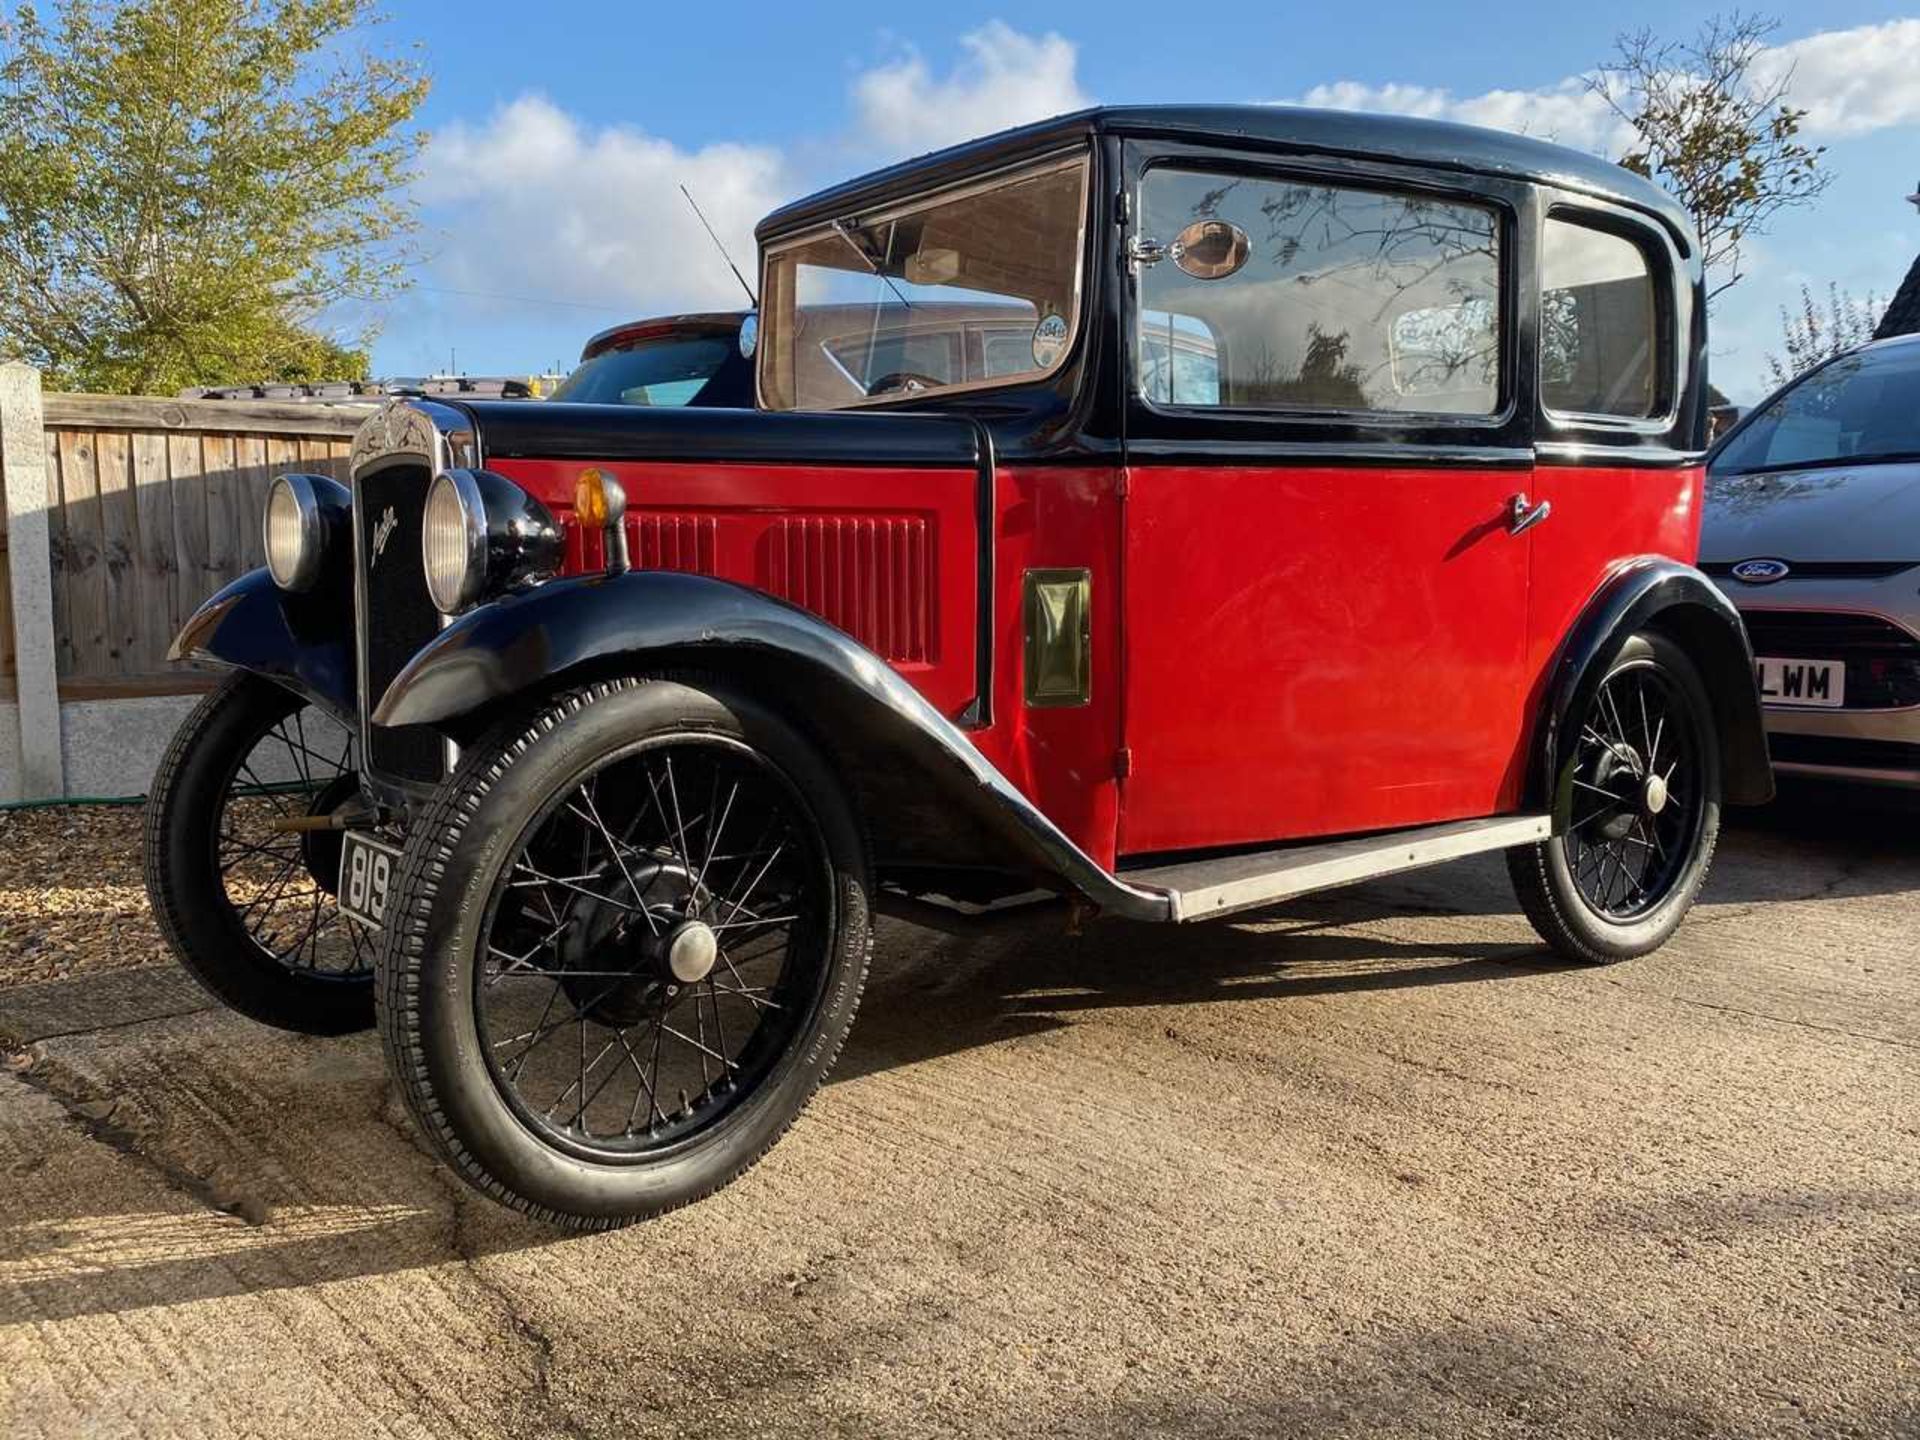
367	867
1821	683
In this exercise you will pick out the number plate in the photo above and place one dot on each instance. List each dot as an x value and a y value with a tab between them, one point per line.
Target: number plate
366	874
1820	683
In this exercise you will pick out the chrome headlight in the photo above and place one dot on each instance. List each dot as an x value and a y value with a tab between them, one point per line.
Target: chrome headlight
303	512
481	534
453	541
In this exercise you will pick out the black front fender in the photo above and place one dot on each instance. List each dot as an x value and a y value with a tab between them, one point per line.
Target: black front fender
1655	593
929	795
304	642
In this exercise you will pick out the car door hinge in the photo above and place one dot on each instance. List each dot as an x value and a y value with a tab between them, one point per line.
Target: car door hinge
1123	762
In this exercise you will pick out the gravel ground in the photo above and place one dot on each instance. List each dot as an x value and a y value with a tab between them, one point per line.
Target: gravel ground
1366	1164
72	900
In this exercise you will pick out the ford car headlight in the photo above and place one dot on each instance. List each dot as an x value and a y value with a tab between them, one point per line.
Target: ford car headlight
304	514
482	534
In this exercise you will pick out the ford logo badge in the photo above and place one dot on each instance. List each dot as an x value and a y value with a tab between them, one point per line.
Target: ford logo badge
1761	572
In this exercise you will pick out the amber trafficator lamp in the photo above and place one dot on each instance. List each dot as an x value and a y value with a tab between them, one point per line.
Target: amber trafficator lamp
600	503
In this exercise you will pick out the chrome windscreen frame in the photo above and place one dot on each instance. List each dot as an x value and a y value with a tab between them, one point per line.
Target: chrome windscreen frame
403	431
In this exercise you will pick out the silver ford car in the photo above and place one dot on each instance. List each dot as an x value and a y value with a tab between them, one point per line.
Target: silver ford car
1812	528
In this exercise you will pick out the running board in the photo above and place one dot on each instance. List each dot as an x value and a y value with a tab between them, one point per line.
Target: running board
1200	889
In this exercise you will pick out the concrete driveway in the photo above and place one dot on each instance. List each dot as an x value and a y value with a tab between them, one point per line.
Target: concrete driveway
1365	1164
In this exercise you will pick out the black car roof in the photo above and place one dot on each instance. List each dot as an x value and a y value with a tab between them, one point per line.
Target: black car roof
1439	144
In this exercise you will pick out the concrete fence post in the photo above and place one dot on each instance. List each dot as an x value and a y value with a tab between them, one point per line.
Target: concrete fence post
23	466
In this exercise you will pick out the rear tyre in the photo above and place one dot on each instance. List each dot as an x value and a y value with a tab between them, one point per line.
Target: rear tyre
249	908
623	948
1636	813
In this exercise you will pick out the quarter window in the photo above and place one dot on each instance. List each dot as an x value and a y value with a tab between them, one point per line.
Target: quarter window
1320	298
1599	336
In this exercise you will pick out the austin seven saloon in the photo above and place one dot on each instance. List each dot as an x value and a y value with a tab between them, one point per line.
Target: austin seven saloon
1148	515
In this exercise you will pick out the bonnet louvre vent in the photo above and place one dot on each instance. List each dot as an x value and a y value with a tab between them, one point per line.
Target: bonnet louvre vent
870	575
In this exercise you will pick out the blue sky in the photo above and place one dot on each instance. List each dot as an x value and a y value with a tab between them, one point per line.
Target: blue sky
559	136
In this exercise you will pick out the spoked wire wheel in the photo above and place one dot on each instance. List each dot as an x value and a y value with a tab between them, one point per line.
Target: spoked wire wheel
1638	804
246	902
653	946
281	883
1636	810
623	947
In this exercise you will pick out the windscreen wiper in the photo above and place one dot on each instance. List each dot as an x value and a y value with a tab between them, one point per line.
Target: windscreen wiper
844	229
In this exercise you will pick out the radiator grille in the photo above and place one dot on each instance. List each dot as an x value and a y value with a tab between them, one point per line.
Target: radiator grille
400	616
870	575
1883	661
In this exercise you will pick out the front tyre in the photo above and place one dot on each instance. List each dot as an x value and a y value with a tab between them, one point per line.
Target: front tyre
623	948
1636	812
246	904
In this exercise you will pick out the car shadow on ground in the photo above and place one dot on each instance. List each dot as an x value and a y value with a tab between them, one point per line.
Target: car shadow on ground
315	1138
309	1135
929	1000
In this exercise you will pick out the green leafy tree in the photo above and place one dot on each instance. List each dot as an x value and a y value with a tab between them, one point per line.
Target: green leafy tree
1813	336
187	187
1711	123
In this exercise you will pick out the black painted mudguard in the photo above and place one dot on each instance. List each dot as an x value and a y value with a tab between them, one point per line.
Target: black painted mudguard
929	796
305	642
1656	593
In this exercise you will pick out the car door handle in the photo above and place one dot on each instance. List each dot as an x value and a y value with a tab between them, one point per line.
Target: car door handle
1523	514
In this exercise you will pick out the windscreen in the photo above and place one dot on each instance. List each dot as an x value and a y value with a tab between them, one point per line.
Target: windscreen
977	287
1864	406
669	370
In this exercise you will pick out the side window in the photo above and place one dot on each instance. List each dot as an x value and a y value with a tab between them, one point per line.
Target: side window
1281	295
1599	324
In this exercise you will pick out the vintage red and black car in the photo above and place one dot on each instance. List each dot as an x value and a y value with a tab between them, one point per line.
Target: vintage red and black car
1152	514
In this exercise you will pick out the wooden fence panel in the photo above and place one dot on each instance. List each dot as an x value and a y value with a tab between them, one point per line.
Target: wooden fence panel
255	475
7	666
186	477
80	569
160	595
57	544
152	506
119	548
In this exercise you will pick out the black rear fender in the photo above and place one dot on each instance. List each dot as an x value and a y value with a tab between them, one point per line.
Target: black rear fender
1655	593
928	796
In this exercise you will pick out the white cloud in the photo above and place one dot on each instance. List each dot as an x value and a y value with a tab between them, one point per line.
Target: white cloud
1005	78
572	214
536	203
1568	112
1849	82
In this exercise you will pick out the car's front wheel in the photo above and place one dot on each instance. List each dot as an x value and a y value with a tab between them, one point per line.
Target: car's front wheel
244	898
623	948
1636	813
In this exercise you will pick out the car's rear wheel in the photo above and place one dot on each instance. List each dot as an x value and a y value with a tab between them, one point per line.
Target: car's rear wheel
246	903
623	948
1636	813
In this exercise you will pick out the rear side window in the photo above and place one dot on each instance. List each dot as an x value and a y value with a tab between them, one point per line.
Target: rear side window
1288	295
1599	324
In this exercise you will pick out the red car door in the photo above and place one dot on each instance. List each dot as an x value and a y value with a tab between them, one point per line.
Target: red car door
1325	597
